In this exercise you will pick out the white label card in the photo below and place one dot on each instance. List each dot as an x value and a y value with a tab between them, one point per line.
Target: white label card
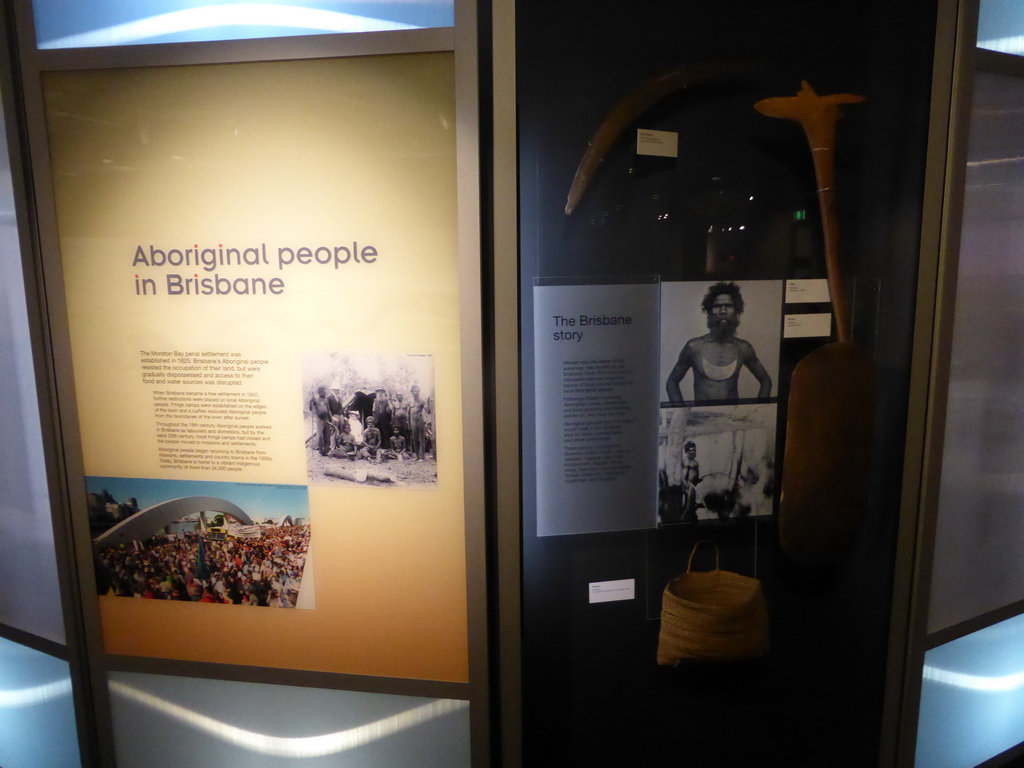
806	291
808	325
657	143
609	591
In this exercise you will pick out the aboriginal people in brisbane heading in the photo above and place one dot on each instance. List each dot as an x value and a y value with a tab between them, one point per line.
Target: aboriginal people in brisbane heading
718	357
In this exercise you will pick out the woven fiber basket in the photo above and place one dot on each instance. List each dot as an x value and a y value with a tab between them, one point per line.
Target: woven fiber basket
712	616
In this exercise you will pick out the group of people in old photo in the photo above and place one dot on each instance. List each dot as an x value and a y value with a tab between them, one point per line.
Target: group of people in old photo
375	426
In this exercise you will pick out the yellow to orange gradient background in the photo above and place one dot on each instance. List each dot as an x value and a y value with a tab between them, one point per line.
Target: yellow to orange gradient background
290	154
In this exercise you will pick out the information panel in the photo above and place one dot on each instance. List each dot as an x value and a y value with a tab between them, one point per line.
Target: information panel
641	419
260	270
597	405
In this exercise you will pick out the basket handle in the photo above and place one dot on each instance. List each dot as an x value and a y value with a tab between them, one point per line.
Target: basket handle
689	563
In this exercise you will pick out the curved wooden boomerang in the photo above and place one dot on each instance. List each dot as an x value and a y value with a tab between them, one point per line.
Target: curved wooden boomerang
818	116
635	103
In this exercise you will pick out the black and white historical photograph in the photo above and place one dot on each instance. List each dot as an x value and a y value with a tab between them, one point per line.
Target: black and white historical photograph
201	542
720	341
370	419
716	462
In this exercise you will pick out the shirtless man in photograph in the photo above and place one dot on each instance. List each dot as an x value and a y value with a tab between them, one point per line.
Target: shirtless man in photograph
718	357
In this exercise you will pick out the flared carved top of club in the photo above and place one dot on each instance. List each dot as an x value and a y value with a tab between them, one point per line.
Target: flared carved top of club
816	114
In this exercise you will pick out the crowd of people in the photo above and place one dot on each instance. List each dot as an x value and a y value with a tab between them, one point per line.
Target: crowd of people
376	427
195	567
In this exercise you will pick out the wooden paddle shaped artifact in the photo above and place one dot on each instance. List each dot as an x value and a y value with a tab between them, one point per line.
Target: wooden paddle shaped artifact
832	391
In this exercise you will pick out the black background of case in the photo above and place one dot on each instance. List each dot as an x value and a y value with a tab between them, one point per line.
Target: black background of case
593	694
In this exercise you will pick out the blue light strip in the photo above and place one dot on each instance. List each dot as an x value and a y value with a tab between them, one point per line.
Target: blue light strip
972	697
37	694
297	746
278	19
974	682
1013	44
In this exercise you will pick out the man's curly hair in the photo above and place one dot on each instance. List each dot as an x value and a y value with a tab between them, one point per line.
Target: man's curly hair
718	289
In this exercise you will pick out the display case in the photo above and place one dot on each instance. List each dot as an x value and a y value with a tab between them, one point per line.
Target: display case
676	307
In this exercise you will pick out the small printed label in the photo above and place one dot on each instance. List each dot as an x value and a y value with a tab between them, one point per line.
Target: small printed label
657	143
608	591
808	325
806	291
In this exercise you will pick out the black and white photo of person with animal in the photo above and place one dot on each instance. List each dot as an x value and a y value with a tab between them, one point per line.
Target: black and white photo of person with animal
720	366
716	462
380	415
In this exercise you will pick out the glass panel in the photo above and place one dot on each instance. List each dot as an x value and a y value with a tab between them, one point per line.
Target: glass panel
621	478
37	717
980	530
174	721
972	698
28	567
73	24
1001	26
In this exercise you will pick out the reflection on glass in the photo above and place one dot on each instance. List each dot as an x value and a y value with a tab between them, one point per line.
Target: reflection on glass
1001	26
37	718
73	24
177	721
28	570
972	697
980	529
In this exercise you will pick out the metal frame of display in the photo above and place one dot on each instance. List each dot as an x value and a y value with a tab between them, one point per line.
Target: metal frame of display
507	426
34	194
939	240
73	650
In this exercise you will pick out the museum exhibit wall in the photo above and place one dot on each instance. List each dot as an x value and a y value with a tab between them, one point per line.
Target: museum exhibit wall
374	386
262	315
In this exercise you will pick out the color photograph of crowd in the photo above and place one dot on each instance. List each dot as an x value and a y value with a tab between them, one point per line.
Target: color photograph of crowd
196	542
266	571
